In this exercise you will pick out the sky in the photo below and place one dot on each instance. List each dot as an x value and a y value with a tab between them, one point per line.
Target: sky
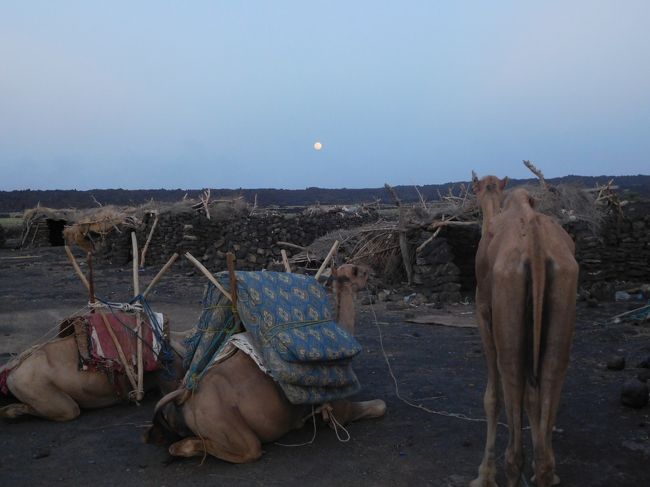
229	94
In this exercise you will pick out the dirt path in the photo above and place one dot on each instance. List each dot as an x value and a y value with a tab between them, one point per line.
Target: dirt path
599	442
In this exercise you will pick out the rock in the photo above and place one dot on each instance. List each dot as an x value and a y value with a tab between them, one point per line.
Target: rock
396	306
616	363
383	295
368	299
643	375
634	394
644	364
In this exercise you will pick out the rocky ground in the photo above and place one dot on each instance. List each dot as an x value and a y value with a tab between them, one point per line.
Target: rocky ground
599	442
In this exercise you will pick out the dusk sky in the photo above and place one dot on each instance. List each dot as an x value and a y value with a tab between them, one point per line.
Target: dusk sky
229	94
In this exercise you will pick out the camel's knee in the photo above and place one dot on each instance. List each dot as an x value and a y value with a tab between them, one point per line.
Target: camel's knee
70	412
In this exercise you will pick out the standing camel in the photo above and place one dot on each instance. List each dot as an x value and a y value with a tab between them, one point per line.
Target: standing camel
237	407
527	279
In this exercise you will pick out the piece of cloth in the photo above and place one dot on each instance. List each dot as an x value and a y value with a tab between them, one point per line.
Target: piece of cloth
289	319
102	350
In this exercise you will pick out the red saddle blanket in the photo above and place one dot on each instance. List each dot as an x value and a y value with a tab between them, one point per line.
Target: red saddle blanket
102	351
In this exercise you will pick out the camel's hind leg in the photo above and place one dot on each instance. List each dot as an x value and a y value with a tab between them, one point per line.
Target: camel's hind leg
12	411
39	396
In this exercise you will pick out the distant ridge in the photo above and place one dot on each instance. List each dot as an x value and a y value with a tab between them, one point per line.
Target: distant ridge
20	200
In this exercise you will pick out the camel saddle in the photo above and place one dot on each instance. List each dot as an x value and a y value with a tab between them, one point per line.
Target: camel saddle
97	350
289	320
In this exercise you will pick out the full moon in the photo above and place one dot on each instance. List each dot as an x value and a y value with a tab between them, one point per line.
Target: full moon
318	146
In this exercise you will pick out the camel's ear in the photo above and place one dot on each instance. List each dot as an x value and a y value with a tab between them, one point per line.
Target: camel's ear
335	271
504	183
355	270
476	184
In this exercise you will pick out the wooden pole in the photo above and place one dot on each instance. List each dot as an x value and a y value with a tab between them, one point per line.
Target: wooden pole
207	274
76	267
230	261
120	352
146	244
139	391
136	276
285	261
161	272
91	284
327	259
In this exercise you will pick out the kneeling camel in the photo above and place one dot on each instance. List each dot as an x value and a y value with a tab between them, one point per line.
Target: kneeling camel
525	297
238	407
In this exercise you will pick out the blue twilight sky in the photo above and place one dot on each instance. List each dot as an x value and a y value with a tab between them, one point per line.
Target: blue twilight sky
151	94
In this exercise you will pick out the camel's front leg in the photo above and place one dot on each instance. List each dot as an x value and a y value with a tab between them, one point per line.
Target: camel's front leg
487	469
348	411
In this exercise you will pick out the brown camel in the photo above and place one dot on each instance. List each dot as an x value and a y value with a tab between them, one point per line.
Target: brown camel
527	278
48	383
237	407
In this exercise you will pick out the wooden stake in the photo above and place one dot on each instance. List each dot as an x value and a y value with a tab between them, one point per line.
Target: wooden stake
136	276
139	390
76	267
327	259
285	261
91	284
146	244
230	261
207	274
161	272
120	352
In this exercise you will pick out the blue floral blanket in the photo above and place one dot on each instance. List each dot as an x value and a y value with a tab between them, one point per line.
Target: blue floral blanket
290	319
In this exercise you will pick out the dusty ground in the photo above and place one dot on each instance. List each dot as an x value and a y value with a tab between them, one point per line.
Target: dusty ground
599	442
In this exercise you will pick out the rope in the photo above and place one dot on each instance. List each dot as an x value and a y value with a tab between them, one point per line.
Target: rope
406	401
313	416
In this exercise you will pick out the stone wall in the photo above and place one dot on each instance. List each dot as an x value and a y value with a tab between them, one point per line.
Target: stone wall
616	256
619	252
253	239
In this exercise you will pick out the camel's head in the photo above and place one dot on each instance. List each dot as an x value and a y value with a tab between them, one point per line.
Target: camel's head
488	186
354	275
168	424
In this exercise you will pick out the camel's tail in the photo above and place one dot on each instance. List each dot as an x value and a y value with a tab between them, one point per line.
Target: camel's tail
539	276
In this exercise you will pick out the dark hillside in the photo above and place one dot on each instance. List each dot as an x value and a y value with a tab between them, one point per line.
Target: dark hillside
628	187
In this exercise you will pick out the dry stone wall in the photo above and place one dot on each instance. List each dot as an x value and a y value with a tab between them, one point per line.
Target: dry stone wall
253	239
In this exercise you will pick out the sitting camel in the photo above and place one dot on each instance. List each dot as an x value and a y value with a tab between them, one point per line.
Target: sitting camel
237	407
527	279
48	382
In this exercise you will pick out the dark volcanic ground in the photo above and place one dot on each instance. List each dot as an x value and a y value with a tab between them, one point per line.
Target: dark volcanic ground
599	442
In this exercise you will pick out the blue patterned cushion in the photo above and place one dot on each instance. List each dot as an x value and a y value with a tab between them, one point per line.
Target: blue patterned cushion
290	319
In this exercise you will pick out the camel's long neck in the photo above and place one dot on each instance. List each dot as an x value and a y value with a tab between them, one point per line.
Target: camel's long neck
345	312
489	208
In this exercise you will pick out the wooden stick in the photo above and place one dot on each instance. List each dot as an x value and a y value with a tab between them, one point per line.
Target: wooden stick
146	244
536	172
91	283
120	352
285	261
161	272
207	274
76	267
327	259
139	389
230	261
293	246
136	276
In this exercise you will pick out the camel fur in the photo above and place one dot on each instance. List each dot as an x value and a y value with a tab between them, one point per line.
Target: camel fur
237	407
525	297
48	383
